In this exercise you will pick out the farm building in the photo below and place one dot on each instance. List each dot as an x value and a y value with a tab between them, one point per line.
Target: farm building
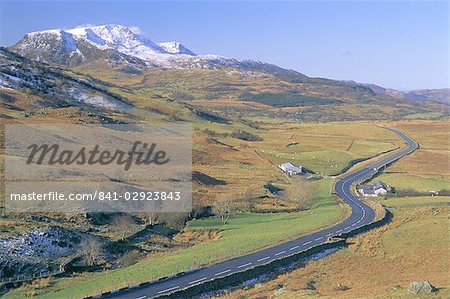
291	168
377	189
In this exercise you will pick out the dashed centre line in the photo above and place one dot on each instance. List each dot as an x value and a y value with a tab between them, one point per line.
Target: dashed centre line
281	252
169	289
198	280
223	272
244	265
263	259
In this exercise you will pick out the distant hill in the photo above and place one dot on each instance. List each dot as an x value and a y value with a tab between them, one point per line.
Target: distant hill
439	95
169	71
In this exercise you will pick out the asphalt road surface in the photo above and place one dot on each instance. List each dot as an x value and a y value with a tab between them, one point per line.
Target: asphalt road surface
361	214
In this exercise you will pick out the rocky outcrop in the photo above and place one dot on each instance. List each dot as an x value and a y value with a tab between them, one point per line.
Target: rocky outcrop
36	251
421	287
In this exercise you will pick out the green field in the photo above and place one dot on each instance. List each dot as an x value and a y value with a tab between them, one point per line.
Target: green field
416	201
327	156
419	183
244	233
429	115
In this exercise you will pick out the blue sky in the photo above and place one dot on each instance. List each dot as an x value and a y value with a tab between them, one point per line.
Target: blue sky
398	44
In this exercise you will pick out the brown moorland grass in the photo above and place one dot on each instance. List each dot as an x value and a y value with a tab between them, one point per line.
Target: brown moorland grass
247	166
378	264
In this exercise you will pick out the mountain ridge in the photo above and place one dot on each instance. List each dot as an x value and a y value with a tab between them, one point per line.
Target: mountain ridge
77	46
441	95
118	45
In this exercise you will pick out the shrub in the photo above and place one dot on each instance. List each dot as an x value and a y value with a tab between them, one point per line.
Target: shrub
174	220
243	135
129	258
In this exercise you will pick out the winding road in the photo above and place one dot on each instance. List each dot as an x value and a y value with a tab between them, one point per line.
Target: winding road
361	214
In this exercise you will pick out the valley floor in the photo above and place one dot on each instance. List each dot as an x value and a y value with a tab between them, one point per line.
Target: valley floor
232	168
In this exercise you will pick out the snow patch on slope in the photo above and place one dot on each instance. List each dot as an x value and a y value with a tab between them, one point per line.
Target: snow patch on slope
175	48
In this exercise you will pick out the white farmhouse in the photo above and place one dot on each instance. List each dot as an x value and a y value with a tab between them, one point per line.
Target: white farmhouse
377	189
291	168
380	188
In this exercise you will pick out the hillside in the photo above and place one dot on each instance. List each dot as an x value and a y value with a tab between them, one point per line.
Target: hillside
231	87
439	95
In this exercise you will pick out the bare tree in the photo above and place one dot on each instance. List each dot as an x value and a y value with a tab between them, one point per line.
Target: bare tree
122	226
223	209
175	220
152	214
91	250
301	193
250	195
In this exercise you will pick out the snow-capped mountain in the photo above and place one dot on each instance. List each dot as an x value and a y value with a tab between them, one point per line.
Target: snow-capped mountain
118	45
175	48
80	45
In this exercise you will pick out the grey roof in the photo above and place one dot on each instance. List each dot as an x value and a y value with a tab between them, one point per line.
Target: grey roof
379	184
366	189
288	166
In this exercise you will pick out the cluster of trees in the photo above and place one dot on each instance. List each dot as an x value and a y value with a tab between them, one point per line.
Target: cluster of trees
223	209
91	249
243	135
238	134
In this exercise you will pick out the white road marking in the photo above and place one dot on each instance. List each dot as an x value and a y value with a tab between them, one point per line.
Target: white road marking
306	243
318	239
142	297
295	247
223	272
263	259
281	252
244	265
169	289
330	234
198	280
338	231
